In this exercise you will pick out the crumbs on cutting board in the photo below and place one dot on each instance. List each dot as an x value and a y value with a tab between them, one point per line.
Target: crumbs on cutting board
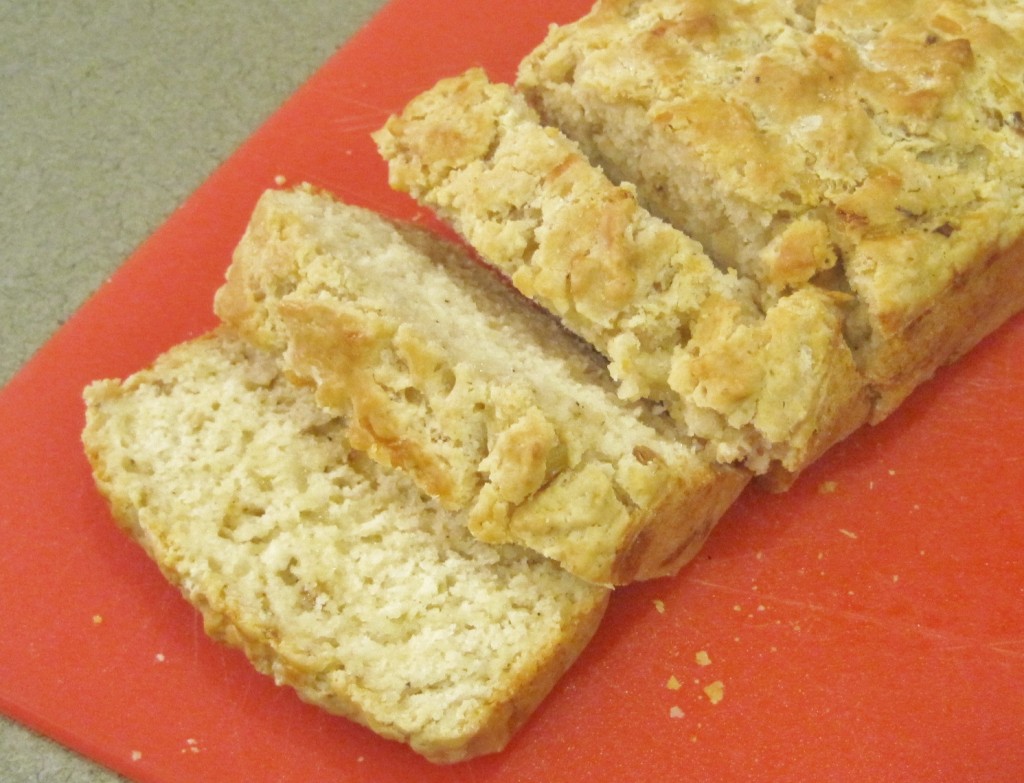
715	691
136	755
828	487
659	606
191	746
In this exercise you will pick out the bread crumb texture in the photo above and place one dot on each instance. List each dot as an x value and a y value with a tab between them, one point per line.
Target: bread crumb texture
335	577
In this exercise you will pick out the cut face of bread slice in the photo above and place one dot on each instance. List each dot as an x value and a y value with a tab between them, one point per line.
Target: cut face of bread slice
771	389
335	576
444	371
870	148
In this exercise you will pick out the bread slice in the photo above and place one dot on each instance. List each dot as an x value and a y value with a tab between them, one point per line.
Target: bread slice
869	148
770	388
335	576
444	371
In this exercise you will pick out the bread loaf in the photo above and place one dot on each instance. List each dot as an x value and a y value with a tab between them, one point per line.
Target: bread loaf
335	576
444	371
768	384
872	149
772	218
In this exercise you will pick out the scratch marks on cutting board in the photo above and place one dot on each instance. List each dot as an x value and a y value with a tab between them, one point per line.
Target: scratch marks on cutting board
941	640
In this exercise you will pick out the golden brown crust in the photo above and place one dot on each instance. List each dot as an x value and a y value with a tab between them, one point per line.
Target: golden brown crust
890	133
974	305
323	339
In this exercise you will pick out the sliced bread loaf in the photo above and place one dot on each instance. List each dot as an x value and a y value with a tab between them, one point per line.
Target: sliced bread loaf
871	148
335	576
446	372
770	388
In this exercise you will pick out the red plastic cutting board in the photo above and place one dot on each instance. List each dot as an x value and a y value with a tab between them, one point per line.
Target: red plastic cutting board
866	626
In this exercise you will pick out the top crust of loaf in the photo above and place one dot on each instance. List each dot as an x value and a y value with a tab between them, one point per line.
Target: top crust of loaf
336	577
871	147
446	372
767	388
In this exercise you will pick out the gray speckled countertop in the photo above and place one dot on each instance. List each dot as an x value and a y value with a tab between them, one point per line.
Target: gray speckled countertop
110	115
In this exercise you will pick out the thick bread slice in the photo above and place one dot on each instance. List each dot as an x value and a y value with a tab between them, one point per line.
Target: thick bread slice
874	147
335	576
443	370
772	389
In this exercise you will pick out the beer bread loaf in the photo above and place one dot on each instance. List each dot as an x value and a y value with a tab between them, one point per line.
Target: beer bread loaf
748	227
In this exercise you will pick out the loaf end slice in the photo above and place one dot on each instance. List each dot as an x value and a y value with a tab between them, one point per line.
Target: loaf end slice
336	577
